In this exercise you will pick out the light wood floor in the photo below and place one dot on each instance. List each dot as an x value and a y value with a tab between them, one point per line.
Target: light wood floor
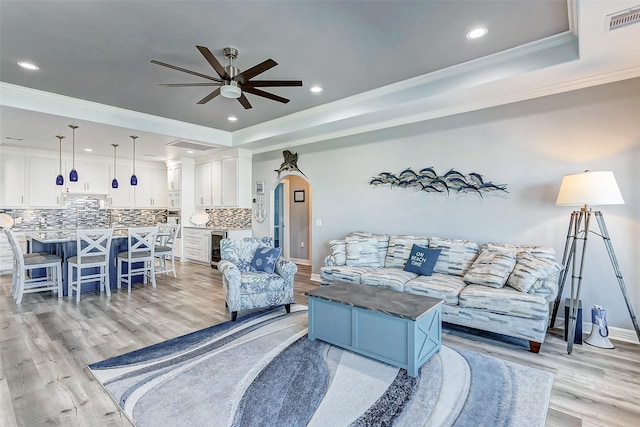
46	344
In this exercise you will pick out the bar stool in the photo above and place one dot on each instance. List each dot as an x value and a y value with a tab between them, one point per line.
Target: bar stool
166	250
141	242
22	264
93	252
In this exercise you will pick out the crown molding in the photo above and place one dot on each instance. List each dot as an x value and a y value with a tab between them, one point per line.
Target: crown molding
50	103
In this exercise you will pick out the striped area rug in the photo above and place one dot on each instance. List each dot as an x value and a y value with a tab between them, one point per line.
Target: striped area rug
263	371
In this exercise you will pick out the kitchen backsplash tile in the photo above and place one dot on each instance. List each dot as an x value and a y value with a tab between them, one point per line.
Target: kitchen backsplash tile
83	212
229	217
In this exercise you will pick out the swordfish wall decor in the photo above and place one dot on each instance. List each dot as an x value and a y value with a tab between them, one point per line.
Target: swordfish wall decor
428	180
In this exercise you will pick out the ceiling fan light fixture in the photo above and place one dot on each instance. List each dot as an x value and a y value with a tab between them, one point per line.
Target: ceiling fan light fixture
231	91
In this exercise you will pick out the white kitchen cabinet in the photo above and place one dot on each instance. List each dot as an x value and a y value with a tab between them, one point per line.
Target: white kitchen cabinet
43	191
92	177
216	183
13	174
177	248
224	183
173	200
151	191
197	244
230	182
203	185
239	234
121	197
174	178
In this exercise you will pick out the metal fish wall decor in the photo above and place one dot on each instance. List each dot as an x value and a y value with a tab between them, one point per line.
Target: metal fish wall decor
428	180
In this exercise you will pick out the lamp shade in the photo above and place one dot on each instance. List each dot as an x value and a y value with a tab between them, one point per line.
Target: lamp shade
589	188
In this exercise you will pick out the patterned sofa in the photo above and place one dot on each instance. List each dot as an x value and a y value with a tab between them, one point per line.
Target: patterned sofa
498	287
245	288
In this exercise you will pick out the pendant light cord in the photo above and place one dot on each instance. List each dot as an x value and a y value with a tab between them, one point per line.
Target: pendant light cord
134	153
115	146
73	152
60	138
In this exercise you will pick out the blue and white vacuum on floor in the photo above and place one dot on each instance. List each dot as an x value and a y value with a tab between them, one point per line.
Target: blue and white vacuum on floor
599	336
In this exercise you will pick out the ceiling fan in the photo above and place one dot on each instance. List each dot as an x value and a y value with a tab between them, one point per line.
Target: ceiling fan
233	83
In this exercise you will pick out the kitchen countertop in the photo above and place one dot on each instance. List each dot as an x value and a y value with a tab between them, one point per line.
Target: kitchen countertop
217	227
61	236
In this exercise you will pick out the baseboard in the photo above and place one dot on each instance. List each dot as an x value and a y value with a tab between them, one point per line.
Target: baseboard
300	261
619	334
315	277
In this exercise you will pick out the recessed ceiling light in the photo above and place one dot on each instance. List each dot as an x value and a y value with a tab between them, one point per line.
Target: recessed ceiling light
232	118
315	89
476	33
28	65
190	152
88	149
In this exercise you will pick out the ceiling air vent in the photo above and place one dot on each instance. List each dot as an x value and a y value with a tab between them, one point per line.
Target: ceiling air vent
191	145
624	18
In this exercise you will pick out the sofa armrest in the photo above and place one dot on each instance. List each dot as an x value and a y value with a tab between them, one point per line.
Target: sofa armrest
287	270
329	260
546	288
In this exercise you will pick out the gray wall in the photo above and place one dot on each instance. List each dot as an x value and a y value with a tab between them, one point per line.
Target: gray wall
528	145
299	219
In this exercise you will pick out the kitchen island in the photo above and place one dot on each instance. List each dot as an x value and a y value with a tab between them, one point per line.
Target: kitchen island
63	244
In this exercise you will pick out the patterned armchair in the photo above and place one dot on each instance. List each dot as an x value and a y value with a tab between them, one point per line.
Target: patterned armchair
243	287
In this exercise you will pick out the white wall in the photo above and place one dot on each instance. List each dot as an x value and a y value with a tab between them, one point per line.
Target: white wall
529	146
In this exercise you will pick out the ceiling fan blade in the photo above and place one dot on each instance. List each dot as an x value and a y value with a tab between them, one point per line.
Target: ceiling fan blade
265	94
210	96
184	70
272	83
254	71
245	102
187	84
214	62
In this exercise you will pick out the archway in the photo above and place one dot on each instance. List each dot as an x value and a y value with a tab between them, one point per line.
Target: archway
290	217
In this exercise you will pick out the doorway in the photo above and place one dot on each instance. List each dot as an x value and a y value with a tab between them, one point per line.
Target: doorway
292	218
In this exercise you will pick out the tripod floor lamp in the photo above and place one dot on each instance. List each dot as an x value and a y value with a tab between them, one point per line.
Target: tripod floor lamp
586	189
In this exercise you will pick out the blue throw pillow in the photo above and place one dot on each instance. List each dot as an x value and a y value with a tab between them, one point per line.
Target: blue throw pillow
422	260
265	259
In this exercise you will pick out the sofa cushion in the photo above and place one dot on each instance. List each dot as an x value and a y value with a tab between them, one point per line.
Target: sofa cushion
390	278
382	244
438	285
339	251
504	300
456	256
400	249
342	273
529	269
537	251
362	251
491	268
422	260
264	259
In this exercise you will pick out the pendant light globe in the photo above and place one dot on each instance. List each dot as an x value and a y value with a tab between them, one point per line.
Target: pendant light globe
134	178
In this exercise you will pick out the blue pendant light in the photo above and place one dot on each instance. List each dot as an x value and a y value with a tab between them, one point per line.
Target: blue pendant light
114	183
60	178
134	178
73	175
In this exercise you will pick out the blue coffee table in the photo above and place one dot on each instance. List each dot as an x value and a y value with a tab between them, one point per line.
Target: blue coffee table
397	328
